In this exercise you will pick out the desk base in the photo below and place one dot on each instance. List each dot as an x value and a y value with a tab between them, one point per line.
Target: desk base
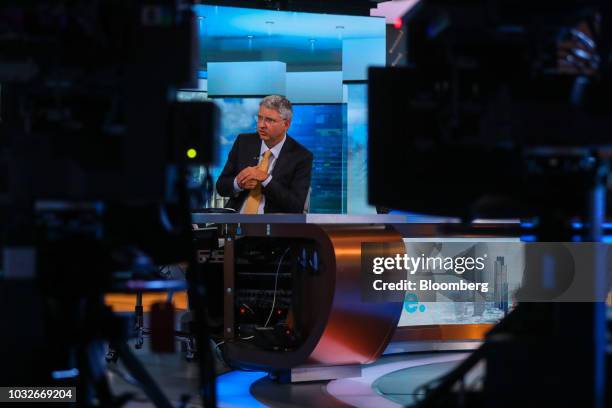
317	373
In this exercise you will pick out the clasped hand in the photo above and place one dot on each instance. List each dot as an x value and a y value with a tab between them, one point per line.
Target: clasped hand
250	177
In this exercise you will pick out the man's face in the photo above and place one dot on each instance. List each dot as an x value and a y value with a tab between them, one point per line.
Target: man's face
270	126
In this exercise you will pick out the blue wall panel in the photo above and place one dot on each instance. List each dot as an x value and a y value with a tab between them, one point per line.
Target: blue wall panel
247	78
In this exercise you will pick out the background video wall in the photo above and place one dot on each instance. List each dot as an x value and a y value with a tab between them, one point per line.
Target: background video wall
320	63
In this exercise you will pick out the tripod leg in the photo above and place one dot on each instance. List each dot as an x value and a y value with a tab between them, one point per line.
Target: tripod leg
190	349
197	293
135	368
139	321
93	379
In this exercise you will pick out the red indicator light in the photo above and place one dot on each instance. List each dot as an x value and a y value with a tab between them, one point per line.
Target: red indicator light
397	23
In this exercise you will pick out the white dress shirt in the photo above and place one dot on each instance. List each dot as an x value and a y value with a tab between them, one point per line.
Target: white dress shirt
276	151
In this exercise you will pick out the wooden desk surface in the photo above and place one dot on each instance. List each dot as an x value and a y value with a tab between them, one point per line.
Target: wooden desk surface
125	303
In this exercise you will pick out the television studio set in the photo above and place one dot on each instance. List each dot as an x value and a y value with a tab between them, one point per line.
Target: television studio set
294	203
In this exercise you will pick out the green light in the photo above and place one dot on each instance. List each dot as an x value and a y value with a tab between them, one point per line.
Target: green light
192	153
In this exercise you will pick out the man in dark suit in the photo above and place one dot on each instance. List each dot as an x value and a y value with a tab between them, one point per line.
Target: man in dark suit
267	171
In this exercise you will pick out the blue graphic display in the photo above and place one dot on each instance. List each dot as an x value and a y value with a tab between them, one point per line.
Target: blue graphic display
411	304
322	129
357	157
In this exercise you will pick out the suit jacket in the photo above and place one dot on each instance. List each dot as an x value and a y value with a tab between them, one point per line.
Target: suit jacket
286	192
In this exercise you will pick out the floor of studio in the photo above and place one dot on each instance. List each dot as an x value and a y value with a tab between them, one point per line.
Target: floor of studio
392	381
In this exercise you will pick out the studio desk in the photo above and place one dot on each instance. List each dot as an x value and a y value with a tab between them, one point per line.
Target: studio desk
339	331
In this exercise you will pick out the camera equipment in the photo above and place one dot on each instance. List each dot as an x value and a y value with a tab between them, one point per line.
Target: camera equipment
94	158
501	111
488	119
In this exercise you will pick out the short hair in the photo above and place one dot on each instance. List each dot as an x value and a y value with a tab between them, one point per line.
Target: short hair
280	104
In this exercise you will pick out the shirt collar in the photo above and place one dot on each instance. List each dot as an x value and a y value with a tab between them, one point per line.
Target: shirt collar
275	150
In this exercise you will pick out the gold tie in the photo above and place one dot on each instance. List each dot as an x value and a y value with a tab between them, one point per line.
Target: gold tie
255	195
